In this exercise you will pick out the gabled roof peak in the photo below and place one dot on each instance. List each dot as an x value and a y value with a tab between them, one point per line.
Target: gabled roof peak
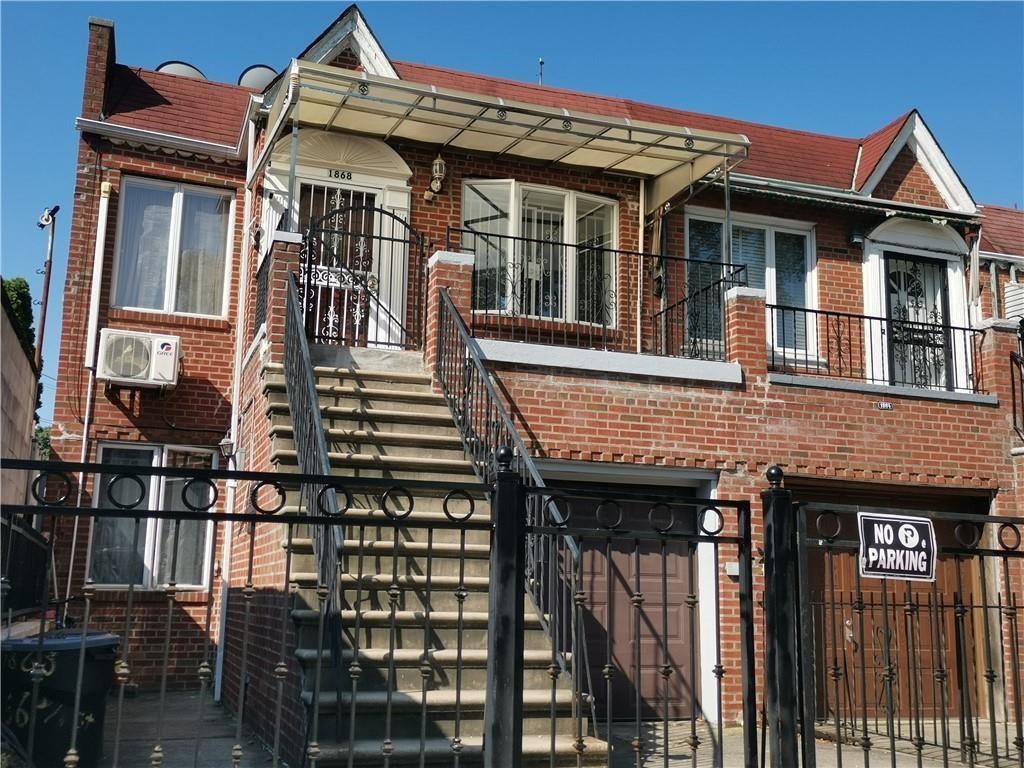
350	31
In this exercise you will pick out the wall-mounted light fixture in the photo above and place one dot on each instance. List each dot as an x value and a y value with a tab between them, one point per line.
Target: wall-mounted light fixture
227	446
438	170
856	238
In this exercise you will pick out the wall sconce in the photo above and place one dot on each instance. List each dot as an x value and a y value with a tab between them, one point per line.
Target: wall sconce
227	446
437	173
856	238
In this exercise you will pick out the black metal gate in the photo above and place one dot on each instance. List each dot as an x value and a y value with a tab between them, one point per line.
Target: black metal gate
892	672
362	279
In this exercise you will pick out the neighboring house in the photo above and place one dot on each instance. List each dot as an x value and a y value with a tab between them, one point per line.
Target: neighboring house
663	298
18	392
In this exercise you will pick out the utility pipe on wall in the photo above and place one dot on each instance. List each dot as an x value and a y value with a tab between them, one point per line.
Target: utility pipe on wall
99	251
640	270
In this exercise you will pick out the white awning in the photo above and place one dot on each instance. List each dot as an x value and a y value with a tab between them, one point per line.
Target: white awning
671	157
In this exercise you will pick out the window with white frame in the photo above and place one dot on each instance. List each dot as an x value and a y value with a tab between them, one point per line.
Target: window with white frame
779	258
120	555
540	251
172	247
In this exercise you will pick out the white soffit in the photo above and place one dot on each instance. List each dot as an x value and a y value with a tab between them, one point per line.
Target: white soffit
672	157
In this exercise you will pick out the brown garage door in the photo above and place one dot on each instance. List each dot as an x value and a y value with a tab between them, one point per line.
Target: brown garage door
612	623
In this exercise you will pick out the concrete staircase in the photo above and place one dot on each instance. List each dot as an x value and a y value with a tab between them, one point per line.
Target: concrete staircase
384	420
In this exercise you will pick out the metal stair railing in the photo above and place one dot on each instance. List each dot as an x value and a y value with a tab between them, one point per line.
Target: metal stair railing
318	500
485	426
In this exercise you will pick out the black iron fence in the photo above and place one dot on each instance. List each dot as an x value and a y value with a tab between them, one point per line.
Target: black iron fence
362	279
591	296
876	350
869	668
266	607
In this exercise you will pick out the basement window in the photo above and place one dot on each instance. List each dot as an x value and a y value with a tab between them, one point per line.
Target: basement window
113	560
172	247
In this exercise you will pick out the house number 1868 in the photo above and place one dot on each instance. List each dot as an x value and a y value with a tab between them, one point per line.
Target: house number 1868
333	173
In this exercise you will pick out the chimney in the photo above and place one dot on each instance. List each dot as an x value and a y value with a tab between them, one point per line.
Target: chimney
99	62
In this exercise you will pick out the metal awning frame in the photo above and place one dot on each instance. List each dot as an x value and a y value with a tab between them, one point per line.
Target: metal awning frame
335	88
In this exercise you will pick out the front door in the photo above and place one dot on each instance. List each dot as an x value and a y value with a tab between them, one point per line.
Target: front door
357	262
917	299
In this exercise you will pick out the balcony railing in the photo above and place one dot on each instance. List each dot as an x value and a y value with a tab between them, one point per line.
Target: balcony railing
590	296
875	350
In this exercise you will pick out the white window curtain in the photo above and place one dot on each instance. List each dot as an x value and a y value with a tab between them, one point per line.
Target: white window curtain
145	214
172	248
203	242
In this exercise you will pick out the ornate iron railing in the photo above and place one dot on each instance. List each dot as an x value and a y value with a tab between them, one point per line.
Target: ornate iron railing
591	296
485	426
876	350
694	325
361	280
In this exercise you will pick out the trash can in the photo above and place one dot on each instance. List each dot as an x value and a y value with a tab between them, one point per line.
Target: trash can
56	703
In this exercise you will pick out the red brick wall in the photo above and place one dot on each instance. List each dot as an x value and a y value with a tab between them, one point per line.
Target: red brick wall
907	182
195	413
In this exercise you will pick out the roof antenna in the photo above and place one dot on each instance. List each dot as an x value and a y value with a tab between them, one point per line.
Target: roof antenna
540	71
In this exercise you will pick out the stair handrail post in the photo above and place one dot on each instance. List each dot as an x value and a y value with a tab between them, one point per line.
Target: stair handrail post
503	709
780	620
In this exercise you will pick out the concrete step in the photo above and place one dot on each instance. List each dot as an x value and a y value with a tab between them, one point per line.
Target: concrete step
402	468
379	419
386	442
410	664
352	395
368	377
441	706
435	751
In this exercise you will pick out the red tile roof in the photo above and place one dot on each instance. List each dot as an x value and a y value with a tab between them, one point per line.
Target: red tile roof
777	153
1002	230
874	146
183	106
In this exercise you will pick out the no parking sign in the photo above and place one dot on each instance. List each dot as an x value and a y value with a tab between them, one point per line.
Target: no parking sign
896	547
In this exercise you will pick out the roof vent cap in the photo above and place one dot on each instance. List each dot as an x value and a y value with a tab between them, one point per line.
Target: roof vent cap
182	69
257	77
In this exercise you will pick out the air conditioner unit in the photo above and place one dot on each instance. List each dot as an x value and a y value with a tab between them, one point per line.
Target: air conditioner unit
134	359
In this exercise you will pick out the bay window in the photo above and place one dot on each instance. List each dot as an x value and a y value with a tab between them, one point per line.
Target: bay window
540	252
114	561
172	247
778	257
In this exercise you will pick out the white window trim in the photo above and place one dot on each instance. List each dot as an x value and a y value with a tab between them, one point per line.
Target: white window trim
771	225
883	240
178	189
150	533
572	197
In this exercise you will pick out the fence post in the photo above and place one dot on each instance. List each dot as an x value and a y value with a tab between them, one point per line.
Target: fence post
503	710
780	618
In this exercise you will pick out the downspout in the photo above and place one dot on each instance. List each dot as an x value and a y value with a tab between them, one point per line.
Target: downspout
95	290
232	484
993	279
640	271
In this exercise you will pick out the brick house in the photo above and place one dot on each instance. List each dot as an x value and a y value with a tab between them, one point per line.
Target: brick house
661	298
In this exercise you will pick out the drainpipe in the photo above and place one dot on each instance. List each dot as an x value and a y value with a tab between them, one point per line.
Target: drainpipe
99	251
993	279
229	501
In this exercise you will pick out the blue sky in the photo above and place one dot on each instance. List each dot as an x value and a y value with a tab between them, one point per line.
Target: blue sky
842	68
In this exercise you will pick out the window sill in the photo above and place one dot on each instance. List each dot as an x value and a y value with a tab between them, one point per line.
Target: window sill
886	390
169	320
